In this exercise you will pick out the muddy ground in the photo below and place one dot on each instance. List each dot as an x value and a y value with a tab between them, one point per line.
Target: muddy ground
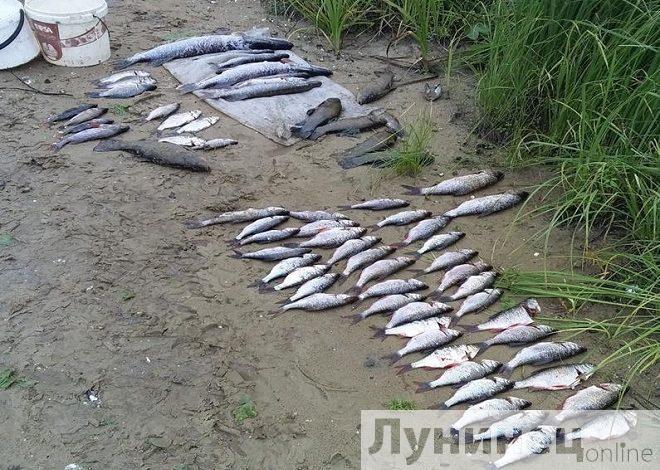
105	292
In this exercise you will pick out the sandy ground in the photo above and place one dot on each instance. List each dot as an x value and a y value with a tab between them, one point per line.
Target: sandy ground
104	290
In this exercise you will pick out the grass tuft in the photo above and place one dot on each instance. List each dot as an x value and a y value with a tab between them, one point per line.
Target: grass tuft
399	404
412	152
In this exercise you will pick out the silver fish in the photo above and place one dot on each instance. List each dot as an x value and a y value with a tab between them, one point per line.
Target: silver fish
120	76
234	217
84	126
512	426
334	237
487	205
124	90
198	125
261	225
440	241
596	397
162	112
86	115
383	268
270	236
611	425
184	140
443	358
472	285
178	120
429	339
262	88
478	390
489	410
379	204
450	259
404	218
314	228
542	353
218	143
479	301
69	113
248	59
365	258
272	254
459	273
351	247
315	286
425	229
313	216
128	81
460	185
302	275
461	374
393	286
320	302
388	303
416	311
95	133
529	444
518	315
412	329
222	57
289	265
518	335
557	378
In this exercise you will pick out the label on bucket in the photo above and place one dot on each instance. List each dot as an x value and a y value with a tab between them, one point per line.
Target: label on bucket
48	35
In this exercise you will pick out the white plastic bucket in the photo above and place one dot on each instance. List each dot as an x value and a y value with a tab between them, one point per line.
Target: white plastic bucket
17	43
71	33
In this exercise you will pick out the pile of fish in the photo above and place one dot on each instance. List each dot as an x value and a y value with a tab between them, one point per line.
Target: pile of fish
84	123
125	84
427	318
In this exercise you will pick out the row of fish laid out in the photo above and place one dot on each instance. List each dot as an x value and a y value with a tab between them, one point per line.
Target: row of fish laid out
124	85
84	123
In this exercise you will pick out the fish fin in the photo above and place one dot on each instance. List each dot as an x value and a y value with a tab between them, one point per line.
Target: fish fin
505	371
265	288
123	63
236	254
469	328
93	94
415	255
353	291
393	358
422	387
342	279
187	87
412	190
276	313
282	302
482	348
233	242
379	332
399	245
402	369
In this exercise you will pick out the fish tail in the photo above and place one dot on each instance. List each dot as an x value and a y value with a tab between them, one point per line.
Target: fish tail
233	242
412	190
344	208
506	370
378	333
482	347
276	313
107	145
423	387
402	369
342	279
236	254
393	358
353	291
265	288
124	63
256	284
191	223
443	406
374	228
282	302
470	328
58	145
417	272
415	254
187	87
396	246
444	298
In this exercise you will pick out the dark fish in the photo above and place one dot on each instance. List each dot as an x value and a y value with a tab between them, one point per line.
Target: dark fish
351	125
376	89
159	153
361	153
460	185
69	113
85	125
262	88
322	114
248	59
101	132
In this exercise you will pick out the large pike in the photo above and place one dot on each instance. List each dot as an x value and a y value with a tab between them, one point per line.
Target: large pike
460	185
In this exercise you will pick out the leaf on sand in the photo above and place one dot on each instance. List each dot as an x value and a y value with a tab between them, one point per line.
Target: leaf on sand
7	378
245	410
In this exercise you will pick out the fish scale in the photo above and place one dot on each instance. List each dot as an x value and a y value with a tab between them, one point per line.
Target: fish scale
393	286
557	378
596	397
518	315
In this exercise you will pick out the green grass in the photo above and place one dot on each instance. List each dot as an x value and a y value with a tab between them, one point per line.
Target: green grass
399	404
412	152
120	109
245	410
7	378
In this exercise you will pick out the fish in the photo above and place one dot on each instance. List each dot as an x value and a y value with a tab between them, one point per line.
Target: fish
84	126
376	89
314	216
414	328
248	59
184	141
218	144
478	302
272	254
334	237
432	92
459	273
236	217
511	426
120	76
351	125
596	397
274	86
611	425
487	205
472	285
383	268
450	259
360	154
460	185
529	444
489	410
393	125
302	275
478	390
440	242
162	112
86	115
288	265
314	228
518	335
178	120
388	303
261	225
393	286
242	73
199	45
222	57
124	90
416	311
315	286
403	218
424	230
518	315
326	111
443	358
128	81
352	247
95	133
159	153
542	353
319	301
378	205
557	378
461	374
365	258
429	339
198	125
270	236
69	113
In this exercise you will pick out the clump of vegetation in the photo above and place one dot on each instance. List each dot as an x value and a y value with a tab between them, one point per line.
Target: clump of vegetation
120	109
245	409
399	404
413	151
7	378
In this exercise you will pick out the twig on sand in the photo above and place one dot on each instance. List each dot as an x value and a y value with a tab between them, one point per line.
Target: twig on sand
32	89
323	388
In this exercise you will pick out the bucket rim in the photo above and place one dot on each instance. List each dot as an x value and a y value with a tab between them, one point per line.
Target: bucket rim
40	12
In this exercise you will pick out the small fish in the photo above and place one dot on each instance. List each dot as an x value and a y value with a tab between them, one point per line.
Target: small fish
218	143
314	228
69	113
84	126
432	92
425	229
272	254
95	133
393	286
120	76
351	125
483	206
288	265
404	218
528	444
478	390
320	302
429	339
460	273
178	120
472	285
611	425
557	378
131	81
376	89
302	275
596	397
416	311
159	153
365	258
352	247
479	301
184	140
443	358
314	216
518	315
270	236
383	268
440	241
460	185
461	374
542	353
326	111
248	59
511	426
124	90
261	225
315	286
489	410
450	259
414	328
378	205
388	303
236	217
86	115
518	335
162	112
198	125
334	237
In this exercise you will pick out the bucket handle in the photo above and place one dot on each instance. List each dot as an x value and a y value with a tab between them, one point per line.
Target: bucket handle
104	25
13	35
